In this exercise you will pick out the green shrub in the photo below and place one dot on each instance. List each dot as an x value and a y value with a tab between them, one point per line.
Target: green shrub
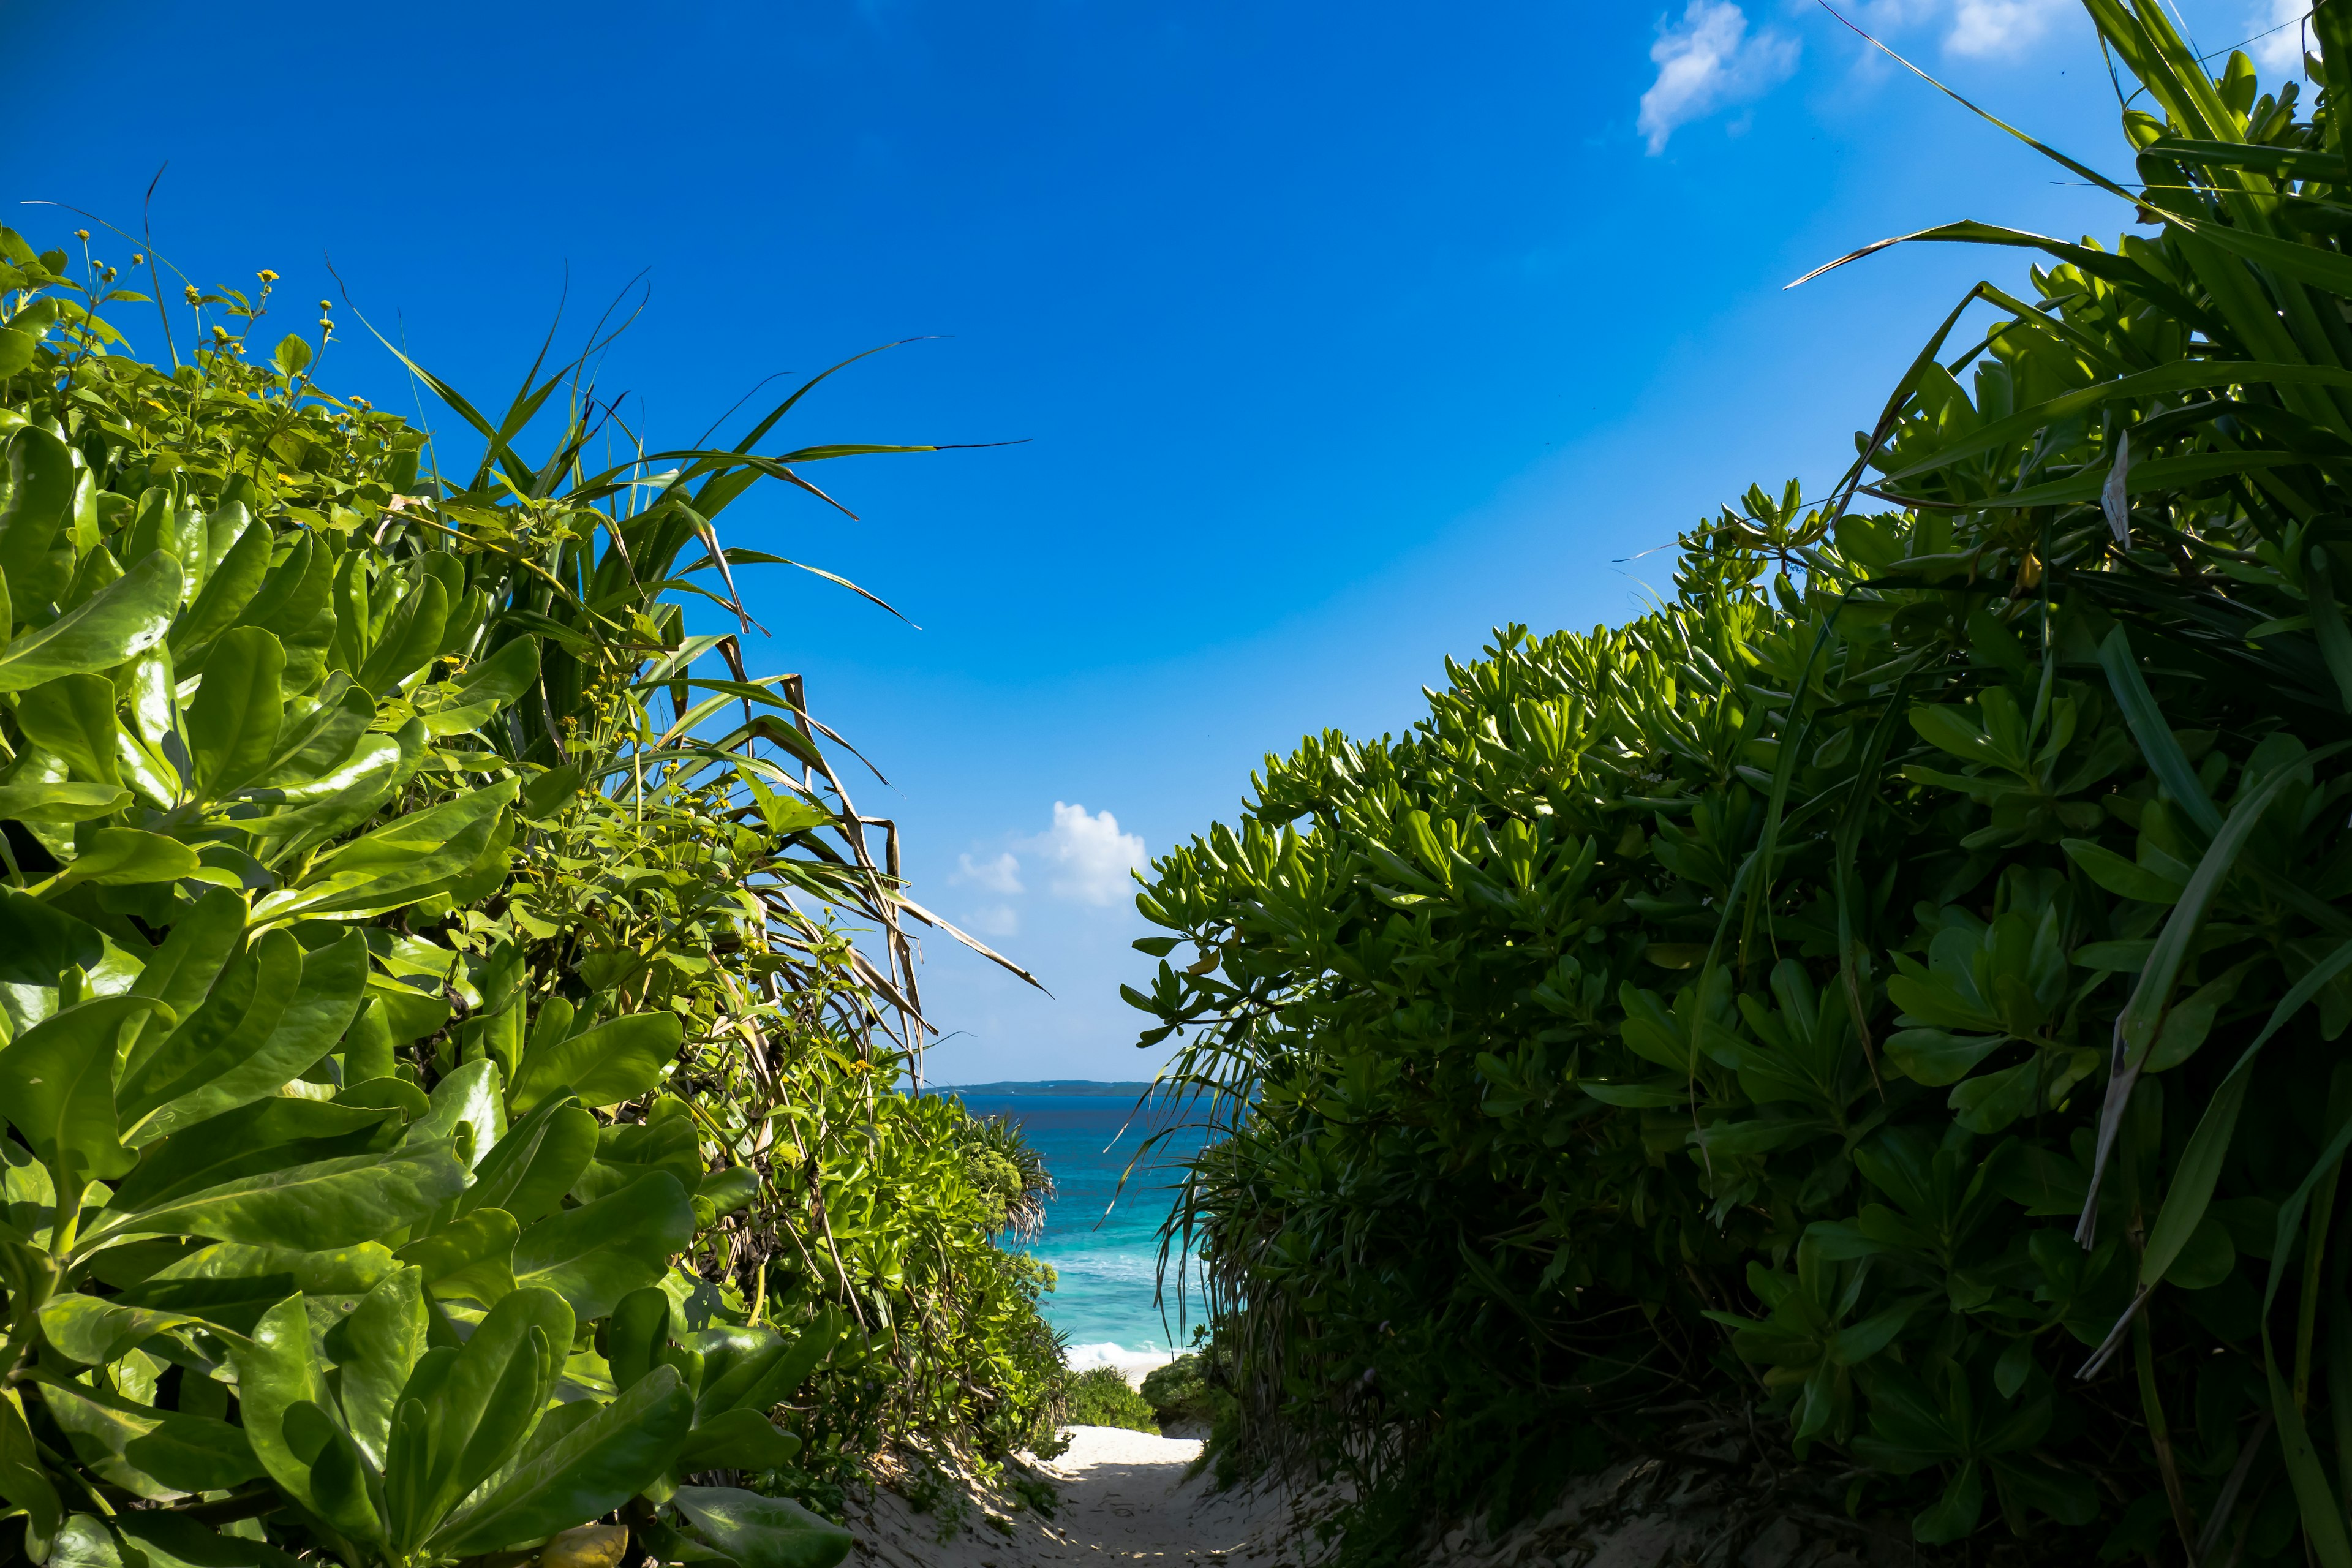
410	1070
1101	1396
1175	1391
1898	985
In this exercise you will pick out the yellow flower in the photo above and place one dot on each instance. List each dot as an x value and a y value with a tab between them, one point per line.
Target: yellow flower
266	276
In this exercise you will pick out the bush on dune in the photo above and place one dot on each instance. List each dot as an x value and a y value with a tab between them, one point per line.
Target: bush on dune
443	1104
1895	990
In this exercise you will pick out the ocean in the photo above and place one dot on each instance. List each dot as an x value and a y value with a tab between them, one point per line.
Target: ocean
1103	1241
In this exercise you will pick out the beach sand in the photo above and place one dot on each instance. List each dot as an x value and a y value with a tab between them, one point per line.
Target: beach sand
1124	1497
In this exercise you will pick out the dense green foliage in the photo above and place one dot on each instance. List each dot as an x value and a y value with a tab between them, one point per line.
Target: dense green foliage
1101	1396
442	1108
1900	983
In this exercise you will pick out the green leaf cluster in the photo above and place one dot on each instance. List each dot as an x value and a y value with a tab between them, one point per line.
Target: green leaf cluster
413	1051
1899	985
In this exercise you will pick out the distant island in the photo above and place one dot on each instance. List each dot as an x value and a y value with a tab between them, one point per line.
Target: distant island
1047	1086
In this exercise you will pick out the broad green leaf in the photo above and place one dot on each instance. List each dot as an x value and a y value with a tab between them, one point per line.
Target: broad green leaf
245	1005
757	1531
275	1371
232	725
23	1483
74	717
85	1542
383	1336
468	1096
39	497
38	943
1936	1057
112	627
56	802
338	1271
339	1475
94	1331
595	1255
530	1169
57	1085
784	1376
330	1204
636	1335
168	1540
228	591
121	856
408	859
736	1440
471	1258
17	351
270	1134
493	1393
486	690
2121	877
158	1454
410	639
617	1060
589	1471
180	973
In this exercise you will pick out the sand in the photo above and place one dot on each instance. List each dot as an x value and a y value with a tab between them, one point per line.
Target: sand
1124	1496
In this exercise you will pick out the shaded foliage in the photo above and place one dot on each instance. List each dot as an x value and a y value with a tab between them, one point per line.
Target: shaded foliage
1899	982
444	1105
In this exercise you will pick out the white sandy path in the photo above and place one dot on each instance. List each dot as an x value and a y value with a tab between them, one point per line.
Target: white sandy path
1124	1498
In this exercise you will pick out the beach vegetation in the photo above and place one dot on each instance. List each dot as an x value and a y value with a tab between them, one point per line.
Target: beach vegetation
452	1015
1886	1004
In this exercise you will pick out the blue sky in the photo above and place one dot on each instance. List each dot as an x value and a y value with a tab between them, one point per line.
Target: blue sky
1334	335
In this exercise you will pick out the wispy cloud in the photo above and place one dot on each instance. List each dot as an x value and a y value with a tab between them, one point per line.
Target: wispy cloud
2280	52
1983	29
996	920
1002	874
1090	857
1706	60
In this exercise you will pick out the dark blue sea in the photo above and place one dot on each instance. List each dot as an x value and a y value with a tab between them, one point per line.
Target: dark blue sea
1103	1240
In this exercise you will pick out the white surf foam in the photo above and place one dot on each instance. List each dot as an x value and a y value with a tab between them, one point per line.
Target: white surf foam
1131	1363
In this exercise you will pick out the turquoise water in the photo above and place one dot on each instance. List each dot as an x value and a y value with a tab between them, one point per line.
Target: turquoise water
1104	1242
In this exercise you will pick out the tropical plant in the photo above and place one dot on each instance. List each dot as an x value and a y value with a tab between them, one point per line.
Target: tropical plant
372	951
1897	983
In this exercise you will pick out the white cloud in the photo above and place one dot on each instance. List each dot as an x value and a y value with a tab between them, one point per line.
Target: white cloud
2280	53
997	920
1708	60
1002	874
1981	27
1091	856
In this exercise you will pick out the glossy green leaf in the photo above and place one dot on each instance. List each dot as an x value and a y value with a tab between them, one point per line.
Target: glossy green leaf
757	1531
470	1259
120	857
232	724
24	1482
57	1085
159	1453
596	1255
736	1440
592	1470
617	1060
313	1209
535	1163
383	1337
74	717
114	625
493	1393
275	1371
